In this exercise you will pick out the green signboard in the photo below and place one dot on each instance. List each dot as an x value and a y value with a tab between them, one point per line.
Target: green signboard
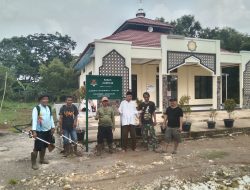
98	86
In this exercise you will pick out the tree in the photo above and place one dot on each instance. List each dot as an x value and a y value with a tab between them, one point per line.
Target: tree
10	81
26	54
245	43
57	79
187	26
231	39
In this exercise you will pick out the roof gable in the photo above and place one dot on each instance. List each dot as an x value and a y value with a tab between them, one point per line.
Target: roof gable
141	23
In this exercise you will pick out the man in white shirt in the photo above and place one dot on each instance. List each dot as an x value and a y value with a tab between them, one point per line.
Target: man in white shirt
128	113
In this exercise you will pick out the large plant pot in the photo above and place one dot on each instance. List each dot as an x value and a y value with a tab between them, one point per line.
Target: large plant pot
186	126
211	124
229	123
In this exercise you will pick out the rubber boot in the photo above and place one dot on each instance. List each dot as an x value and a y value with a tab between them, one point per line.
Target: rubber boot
33	160
63	151
67	150
99	150
110	148
71	149
42	155
76	152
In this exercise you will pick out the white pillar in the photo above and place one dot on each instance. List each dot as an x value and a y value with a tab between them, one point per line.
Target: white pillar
241	85
214	92
160	87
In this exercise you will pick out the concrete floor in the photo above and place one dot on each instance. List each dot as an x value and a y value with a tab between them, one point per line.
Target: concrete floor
198	119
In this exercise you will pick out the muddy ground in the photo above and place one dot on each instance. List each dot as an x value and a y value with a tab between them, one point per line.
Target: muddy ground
219	163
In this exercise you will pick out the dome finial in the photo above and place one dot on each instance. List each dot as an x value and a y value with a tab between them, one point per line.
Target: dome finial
140	11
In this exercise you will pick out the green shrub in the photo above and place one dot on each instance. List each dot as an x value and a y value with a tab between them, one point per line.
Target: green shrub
229	106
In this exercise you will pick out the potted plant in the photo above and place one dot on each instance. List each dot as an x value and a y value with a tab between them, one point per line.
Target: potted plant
211	121
186	108
229	106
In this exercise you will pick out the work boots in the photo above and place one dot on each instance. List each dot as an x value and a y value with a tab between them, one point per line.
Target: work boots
110	148
76	152
33	160
99	150
42	155
67	150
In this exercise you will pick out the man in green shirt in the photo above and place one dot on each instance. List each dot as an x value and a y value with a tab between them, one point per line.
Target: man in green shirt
106	124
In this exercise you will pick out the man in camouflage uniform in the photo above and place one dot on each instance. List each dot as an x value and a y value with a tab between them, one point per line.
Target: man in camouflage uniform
147	122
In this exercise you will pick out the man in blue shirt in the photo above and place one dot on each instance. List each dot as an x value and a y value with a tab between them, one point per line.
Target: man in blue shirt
43	127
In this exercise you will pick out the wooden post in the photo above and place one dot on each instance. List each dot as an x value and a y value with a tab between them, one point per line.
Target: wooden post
4	91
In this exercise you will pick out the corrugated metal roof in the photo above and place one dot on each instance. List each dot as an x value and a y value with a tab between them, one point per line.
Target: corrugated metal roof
85	59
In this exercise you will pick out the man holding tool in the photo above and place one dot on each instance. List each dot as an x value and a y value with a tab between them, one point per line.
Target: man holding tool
67	123
43	127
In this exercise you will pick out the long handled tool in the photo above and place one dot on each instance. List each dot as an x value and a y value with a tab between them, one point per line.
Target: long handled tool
71	141
29	133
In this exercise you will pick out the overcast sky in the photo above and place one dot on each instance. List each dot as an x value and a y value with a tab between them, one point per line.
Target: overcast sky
86	20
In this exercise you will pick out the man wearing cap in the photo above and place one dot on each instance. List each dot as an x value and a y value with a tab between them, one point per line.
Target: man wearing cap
106	124
43	127
128	113
173	119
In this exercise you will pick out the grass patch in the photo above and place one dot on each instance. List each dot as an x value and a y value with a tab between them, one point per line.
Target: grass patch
15	113
214	154
13	182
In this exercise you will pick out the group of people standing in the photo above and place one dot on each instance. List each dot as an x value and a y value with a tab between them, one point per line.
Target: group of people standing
147	121
43	125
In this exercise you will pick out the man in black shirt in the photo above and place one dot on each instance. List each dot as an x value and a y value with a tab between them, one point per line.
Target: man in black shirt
173	119
67	123
148	121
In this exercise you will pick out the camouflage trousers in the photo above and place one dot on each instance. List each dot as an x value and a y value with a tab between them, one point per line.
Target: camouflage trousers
149	137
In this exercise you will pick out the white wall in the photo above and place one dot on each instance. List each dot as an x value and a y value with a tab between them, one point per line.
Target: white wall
145	53
103	47
186	83
146	75
88	68
233	58
180	45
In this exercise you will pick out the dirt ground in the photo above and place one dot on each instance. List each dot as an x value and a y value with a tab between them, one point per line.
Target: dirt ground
199	164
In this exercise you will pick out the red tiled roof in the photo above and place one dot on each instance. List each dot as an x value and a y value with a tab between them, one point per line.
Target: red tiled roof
142	20
138	38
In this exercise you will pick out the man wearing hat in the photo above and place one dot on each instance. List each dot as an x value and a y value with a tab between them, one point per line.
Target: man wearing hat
173	119
43	127
106	116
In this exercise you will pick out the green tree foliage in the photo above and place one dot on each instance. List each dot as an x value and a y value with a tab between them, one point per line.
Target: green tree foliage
231	39
187	26
26	54
58	79
10	81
